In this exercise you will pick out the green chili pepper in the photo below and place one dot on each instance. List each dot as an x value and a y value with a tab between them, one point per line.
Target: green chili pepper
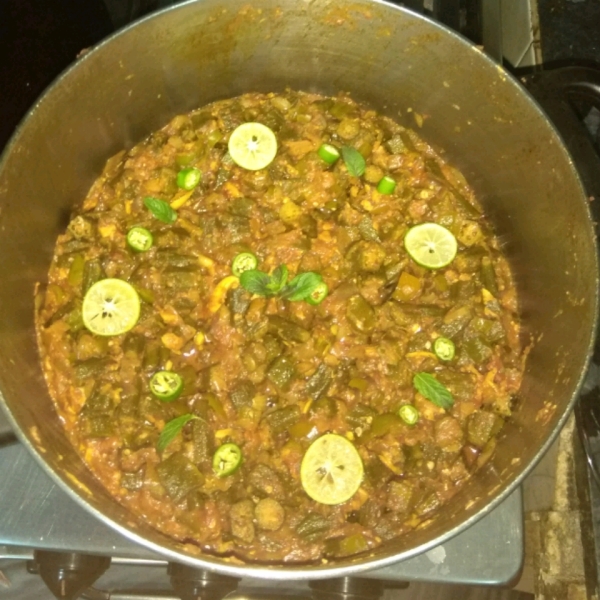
409	414
386	185
226	460
328	153
139	239
166	385
444	348
189	178
246	261
318	294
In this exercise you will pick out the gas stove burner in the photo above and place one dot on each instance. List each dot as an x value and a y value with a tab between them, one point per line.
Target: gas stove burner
198	584
347	588
67	574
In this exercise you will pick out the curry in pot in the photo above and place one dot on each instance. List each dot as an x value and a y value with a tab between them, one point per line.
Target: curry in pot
281	329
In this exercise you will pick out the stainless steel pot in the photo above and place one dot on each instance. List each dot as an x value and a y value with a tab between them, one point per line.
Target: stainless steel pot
385	56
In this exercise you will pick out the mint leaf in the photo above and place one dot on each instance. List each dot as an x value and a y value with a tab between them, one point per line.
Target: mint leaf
256	282
278	279
428	386
355	163
302	286
160	209
171	429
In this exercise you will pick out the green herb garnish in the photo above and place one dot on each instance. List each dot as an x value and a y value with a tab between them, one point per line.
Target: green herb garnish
256	282
262	284
354	161
171	429
301	287
433	390
160	209
279	278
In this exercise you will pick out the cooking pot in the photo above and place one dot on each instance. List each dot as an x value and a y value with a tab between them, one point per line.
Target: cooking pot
400	64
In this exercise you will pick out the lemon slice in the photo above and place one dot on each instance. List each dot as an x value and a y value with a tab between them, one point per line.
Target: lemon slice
430	245
252	146
110	307
331	470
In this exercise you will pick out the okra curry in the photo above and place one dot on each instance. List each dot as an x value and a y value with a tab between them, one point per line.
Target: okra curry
281	329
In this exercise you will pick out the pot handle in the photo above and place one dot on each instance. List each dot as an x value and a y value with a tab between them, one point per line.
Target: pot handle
561	93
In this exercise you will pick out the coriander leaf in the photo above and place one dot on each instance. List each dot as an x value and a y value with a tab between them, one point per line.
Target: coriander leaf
160	209
171	429
256	282
278	279
302	286
433	390
355	163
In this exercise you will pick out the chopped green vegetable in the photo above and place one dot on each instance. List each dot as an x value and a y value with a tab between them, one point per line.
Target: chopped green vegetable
428	386
409	414
444	348
179	476
160	209
386	185
318	294
281	372
283	419
226	460
166	385
188	179
92	273
246	261
328	153
354	161
139	239
319	381
171	429
75	277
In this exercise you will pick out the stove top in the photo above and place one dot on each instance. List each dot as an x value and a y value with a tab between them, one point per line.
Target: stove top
37	515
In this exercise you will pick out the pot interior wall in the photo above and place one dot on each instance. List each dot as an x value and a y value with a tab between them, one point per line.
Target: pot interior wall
394	61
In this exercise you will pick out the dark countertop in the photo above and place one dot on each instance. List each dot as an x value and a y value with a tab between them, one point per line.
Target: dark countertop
570	30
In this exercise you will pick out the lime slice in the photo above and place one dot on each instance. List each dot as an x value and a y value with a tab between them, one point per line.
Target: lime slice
110	307
430	245
252	146
331	470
